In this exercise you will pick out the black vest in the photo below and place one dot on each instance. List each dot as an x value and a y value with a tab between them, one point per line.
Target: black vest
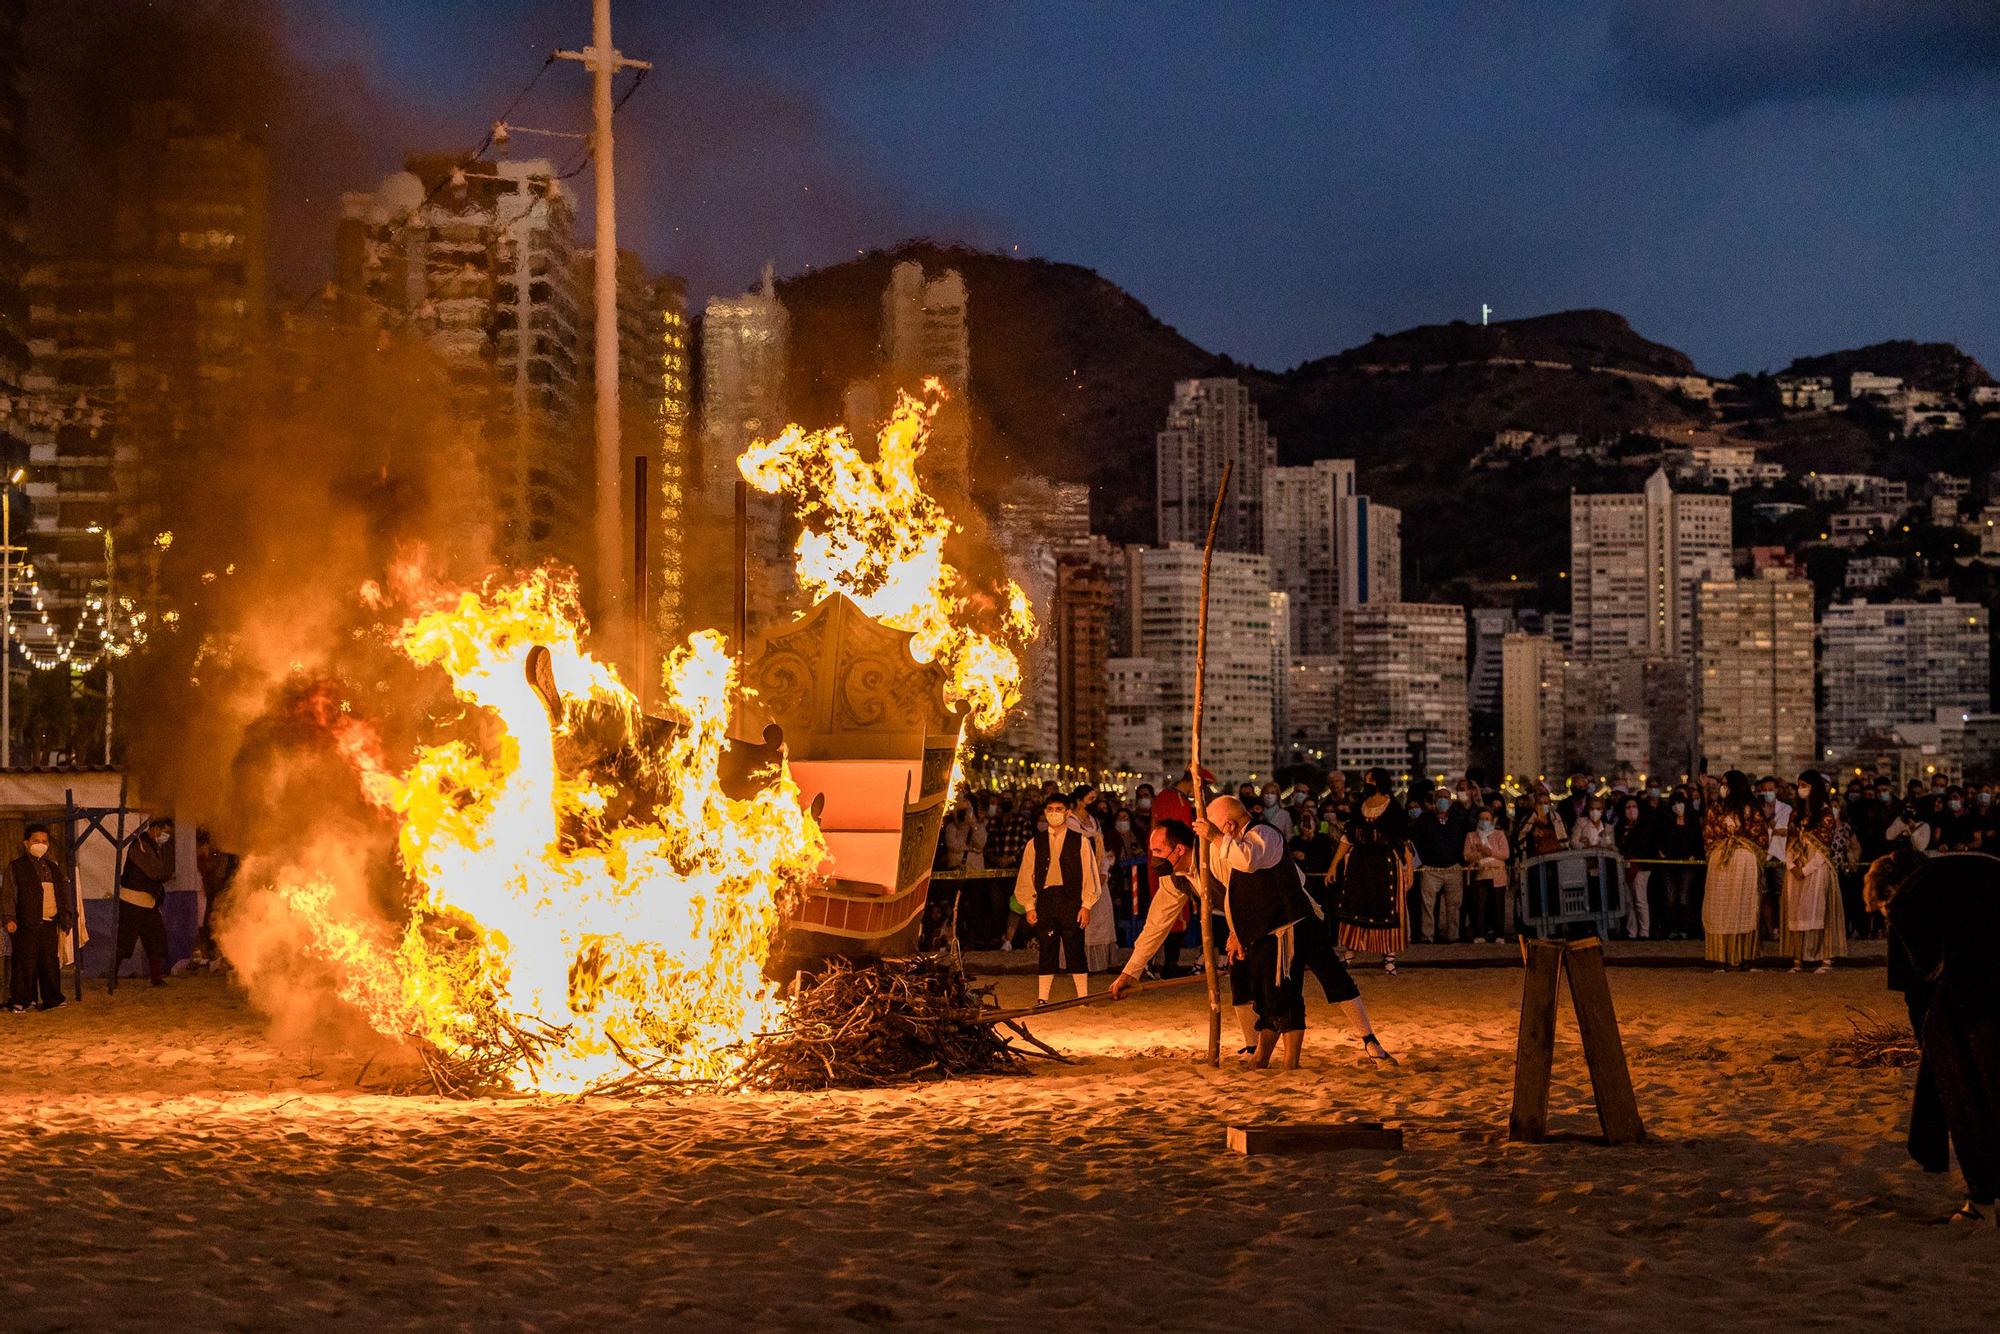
1262	901
1072	859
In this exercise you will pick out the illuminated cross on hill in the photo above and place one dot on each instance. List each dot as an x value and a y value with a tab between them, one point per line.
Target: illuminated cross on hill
1484	311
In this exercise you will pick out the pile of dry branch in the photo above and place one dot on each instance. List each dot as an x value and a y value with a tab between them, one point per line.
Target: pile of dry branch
1874	1043
886	1021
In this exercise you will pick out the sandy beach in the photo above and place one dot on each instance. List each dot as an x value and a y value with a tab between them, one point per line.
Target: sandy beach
165	1164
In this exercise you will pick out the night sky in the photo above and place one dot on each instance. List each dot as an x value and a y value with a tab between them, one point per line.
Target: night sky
1748	181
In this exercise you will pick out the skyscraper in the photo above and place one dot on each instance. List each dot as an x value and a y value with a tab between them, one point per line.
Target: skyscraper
745	341
1886	664
654	400
1237	696
1531	707
1635	562
1303	515
1082	632
1405	676
1754	674
1210	423
926	335
477	258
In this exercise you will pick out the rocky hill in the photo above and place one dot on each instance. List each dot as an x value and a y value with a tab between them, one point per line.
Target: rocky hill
1938	367
1071	377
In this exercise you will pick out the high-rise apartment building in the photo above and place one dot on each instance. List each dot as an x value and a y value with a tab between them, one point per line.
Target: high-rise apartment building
1635	562
149	343
1281	678
745	341
1406	676
1211	423
1531	706
925	336
1135	716
1754	674
1312	710
1303	511
1890	664
478	258
1237	696
655	401
1082	632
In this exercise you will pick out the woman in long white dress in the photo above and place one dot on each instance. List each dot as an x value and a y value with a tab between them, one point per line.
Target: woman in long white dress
1738	835
1815	921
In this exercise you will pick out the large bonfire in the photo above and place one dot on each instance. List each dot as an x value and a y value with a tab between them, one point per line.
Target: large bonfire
556	940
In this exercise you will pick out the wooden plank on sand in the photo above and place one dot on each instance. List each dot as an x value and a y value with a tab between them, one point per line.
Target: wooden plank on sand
1603	1048
1535	1051
1280	1137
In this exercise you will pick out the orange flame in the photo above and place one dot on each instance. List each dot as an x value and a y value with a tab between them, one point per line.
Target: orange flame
873	533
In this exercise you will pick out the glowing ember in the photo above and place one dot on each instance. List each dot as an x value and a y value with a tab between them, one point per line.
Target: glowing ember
873	533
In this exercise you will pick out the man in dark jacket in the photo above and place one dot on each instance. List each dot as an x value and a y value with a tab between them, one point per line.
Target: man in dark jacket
38	902
142	891
1944	956
1438	835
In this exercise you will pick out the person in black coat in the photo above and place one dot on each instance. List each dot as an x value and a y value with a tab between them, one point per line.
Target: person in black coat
142	892
38	901
1944	956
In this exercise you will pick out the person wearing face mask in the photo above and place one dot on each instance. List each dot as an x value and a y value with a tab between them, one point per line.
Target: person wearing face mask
1438	835
142	891
1957	828
1815	919
1636	841
38	902
1909	831
1273	813
1590	829
1060	881
1678	840
1485	855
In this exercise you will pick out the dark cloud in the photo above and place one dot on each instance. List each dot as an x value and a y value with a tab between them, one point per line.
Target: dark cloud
1708	60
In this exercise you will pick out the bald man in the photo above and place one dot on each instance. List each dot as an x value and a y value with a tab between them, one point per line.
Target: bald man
1276	934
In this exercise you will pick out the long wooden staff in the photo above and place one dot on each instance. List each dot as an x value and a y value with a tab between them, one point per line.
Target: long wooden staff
1201	878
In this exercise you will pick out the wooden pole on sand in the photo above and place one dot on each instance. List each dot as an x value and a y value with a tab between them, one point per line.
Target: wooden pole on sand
1208	964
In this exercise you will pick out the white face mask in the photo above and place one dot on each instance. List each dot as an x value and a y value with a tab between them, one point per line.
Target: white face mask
1270	801
1123	825
38	849
1955	804
1056	819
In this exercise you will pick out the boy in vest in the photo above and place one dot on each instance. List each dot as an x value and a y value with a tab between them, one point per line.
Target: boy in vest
1058	884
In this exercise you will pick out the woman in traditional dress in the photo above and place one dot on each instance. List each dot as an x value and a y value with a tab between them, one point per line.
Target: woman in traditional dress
1370	879
1815	922
1737	832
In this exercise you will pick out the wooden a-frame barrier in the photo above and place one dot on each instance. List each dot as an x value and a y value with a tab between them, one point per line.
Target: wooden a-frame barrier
1596	1021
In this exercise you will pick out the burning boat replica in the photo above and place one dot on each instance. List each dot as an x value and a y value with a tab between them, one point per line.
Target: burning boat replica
593	900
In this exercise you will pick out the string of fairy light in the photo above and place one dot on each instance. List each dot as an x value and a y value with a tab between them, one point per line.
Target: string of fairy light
98	633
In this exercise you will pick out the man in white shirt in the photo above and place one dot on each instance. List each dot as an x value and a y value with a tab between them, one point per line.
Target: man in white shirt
1058	884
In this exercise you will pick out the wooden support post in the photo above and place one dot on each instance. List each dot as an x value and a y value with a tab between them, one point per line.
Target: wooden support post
1603	1047
1296	1138
1535	1051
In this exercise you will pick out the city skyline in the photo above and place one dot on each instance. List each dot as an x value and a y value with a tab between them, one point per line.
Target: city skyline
1626	132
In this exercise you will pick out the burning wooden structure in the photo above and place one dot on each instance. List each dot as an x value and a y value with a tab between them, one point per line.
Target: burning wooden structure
872	746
